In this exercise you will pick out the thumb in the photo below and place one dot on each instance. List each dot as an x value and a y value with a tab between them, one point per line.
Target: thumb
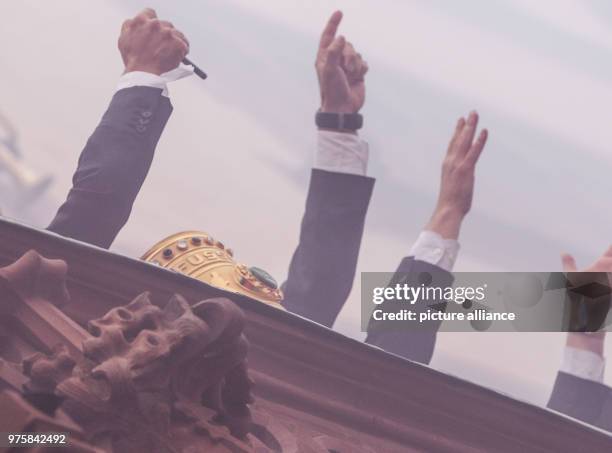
334	51
568	262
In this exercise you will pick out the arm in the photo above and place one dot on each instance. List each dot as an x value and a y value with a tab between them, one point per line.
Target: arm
579	390
113	167
436	249
417	344
323	266
117	156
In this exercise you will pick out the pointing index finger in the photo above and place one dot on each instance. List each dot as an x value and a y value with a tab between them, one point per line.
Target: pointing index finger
329	32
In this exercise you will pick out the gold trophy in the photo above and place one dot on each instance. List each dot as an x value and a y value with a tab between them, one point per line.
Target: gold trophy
199	255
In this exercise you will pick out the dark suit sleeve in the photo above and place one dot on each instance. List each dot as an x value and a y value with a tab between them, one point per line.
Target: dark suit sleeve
588	401
323	266
113	167
417	345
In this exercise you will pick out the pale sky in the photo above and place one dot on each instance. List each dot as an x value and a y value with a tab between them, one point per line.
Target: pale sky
235	156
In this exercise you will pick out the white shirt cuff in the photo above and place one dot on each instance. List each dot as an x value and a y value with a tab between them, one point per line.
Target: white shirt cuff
434	249
583	364
147	79
342	153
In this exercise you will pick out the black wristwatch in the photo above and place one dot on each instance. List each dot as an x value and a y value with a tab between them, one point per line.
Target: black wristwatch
339	121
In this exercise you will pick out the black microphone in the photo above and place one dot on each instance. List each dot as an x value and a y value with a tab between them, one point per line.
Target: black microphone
201	74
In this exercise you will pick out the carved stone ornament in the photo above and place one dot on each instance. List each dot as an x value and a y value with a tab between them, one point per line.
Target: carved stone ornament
156	380
143	378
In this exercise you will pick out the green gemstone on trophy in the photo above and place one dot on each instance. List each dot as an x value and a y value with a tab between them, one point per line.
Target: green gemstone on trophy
264	277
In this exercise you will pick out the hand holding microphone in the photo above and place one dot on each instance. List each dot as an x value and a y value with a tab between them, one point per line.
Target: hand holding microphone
149	44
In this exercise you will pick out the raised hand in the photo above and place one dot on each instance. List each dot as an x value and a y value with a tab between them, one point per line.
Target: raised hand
599	270
603	263
458	176
340	70
151	45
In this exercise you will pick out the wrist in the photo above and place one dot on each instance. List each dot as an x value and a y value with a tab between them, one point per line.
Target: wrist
339	131
592	342
446	221
337	108
141	67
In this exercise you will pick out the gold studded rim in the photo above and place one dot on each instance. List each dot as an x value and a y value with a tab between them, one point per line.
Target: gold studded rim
170	240
269	296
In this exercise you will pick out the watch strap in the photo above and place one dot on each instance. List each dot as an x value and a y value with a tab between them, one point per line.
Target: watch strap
339	121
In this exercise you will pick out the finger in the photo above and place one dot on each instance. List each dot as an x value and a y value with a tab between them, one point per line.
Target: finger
350	61
126	24
349	50
180	48
605	263
364	68
179	34
464	142
568	262
149	13
329	32
166	24
476	149
334	51
359	61
358	74
608	252
184	48
456	134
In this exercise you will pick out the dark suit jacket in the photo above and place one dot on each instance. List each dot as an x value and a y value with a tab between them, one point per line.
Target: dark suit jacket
113	166
582	399
323	266
416	345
